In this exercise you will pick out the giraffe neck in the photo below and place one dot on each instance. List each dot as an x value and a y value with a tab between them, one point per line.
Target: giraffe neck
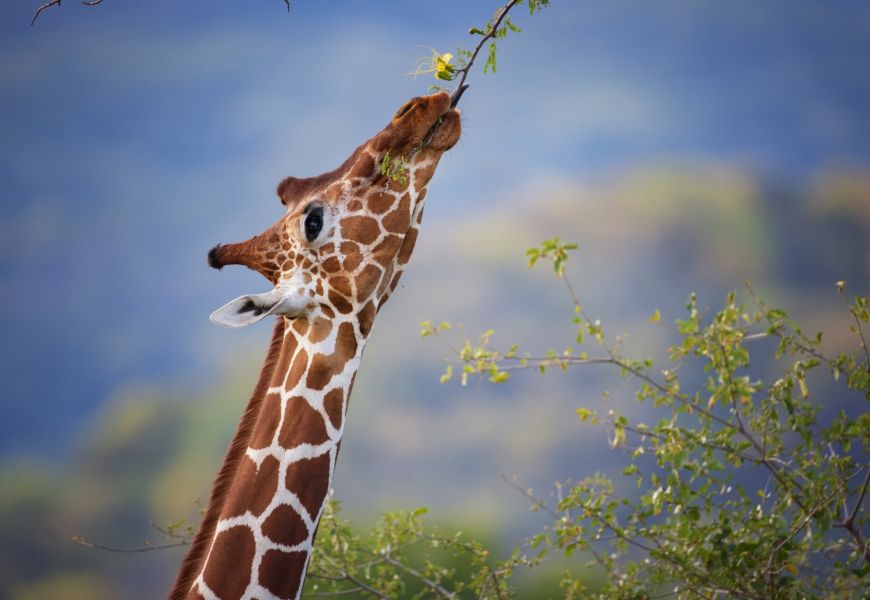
262	540
256	537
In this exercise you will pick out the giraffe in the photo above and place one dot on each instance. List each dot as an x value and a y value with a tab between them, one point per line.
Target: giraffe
334	258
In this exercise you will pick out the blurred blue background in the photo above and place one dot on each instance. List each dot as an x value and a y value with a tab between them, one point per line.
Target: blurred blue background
684	145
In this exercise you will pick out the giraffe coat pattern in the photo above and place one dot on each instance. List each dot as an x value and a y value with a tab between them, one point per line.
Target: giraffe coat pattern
334	259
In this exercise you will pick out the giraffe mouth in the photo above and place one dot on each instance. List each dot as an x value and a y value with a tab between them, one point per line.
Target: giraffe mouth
445	132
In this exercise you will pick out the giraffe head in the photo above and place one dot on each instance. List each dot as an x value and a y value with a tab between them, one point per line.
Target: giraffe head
347	234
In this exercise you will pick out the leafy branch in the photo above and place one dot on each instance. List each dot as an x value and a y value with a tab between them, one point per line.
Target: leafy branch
696	528
400	557
496	28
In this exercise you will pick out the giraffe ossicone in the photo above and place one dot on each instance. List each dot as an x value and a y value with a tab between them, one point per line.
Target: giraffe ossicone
333	259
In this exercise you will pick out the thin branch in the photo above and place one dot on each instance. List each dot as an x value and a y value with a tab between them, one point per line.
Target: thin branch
860	331
51	3
801	342
809	517
432	585
860	500
335	593
172	534
42	8
849	523
353	579
783	480
489	34
147	548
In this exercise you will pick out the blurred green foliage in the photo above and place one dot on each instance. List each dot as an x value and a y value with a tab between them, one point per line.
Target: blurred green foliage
745	488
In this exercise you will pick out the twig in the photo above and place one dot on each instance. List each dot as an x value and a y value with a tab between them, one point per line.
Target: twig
849	523
860	499
45	6
462	86
860	331
490	34
432	585
51	3
89	544
783	480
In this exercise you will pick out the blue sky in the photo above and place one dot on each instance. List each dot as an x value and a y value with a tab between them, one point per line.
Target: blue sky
135	135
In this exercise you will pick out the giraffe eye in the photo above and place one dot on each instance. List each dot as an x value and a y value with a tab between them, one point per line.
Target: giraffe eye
313	223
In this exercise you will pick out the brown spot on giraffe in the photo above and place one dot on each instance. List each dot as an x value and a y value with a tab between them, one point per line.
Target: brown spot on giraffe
367	317
385	281
366	281
300	363
340	303
281	572
385	252
233	552
331	264
364	167
285	526
381	202
320	330
302	424
315	473
333	404
324	366
254	487
398	220
329	279
270	412
341	284
351	261
407	246
363	230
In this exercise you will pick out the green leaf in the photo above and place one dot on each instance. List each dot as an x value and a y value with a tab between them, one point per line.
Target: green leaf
490	59
585	414
500	377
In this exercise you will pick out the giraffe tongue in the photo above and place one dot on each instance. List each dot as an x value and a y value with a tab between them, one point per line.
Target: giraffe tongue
457	94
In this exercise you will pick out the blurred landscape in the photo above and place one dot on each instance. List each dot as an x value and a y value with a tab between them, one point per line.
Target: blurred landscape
684	147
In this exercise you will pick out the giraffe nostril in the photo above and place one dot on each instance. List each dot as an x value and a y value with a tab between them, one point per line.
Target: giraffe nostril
213	260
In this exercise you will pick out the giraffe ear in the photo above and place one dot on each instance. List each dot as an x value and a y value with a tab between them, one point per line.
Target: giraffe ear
248	309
